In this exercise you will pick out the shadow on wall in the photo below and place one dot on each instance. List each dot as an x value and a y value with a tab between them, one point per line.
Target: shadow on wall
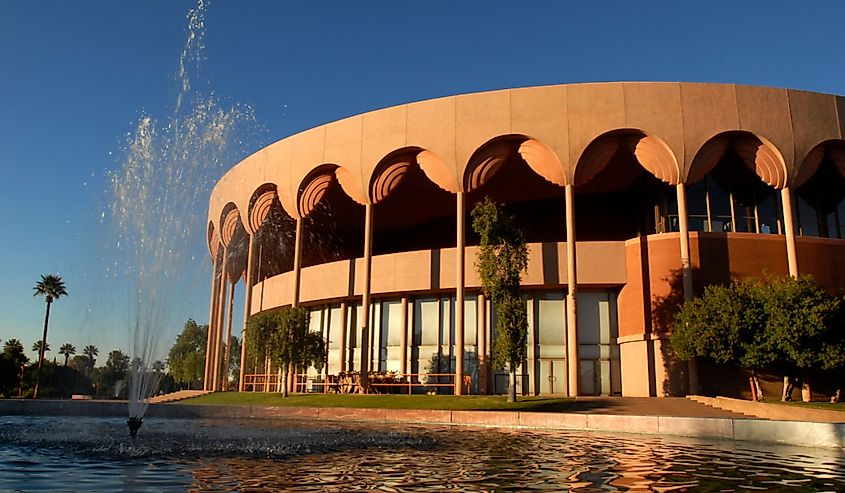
663	309
714	270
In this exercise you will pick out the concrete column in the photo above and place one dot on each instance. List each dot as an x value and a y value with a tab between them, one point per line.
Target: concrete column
403	343
344	324
297	261
227	360
686	269
215	377
248	282
572	361
365	298
686	264
297	275
789	230
481	323
459	297
209	343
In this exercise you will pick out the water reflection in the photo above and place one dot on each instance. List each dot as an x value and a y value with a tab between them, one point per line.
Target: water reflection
263	455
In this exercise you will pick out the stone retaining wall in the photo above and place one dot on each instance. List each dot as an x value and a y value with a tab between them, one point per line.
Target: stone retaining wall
809	434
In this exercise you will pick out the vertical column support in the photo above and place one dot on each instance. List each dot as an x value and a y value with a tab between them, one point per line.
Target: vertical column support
297	261
683	223
297	276
789	229
247	307
227	341
215	377
212	314
572	360
686	270
365	298
344	325
459	297
481	323
403	341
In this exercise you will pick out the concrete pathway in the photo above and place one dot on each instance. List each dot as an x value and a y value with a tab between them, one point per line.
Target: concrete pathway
178	396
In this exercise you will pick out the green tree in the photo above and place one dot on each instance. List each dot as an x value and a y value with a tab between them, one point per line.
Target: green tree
186	358
114	371
37	345
12	360
92	352
773	322
283	338
260	334
81	363
67	350
14	351
51	287
726	324
804	327
234	359
502	258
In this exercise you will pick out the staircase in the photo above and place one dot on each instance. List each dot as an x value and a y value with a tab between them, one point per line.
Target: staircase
177	396
763	410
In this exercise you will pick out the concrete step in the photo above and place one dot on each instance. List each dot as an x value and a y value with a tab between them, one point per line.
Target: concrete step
715	403
178	396
772	411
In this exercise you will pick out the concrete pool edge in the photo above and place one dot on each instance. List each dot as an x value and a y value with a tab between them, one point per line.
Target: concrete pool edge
799	433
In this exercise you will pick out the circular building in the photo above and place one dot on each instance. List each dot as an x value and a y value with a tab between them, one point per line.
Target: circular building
632	196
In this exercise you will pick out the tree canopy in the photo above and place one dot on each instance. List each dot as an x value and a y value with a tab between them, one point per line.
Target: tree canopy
502	258
284	338
775	322
186	358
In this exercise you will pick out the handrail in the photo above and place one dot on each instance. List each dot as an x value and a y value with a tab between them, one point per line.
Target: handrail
334	384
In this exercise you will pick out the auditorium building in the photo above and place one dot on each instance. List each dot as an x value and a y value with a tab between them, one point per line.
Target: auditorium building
632	197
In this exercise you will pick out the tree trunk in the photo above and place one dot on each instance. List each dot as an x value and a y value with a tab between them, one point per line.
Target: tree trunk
806	386
512	393
41	350
285	384
758	390
787	389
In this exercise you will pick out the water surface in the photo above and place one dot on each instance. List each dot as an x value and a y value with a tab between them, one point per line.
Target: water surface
94	454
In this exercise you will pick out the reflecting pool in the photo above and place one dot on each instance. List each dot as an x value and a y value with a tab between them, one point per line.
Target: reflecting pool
95	454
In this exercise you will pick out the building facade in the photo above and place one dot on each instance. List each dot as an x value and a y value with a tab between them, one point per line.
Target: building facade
632	196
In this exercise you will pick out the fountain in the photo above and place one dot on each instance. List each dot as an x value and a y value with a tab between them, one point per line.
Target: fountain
167	171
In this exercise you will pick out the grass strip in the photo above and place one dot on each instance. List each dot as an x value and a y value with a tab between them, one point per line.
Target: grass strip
440	402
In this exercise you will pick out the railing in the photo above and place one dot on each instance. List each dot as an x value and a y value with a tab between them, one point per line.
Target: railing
349	383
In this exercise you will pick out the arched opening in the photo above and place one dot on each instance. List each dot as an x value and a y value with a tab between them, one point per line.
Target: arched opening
235	241
617	198
411	212
274	230
821	210
333	227
499	171
726	191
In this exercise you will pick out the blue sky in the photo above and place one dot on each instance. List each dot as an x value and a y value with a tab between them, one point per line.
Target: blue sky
76	76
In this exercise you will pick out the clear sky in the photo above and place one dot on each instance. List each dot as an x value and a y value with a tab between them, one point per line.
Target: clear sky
75	77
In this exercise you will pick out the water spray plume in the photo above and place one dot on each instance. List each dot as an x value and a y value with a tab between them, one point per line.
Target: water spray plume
167	172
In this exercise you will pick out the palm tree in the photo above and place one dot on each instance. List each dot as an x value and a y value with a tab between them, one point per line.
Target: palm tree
68	350
36	346
51	287
91	351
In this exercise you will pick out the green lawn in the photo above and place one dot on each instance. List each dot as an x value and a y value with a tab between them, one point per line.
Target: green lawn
446	402
827	406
